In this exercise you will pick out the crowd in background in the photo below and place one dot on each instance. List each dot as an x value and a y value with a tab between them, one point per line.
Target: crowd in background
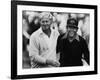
30	23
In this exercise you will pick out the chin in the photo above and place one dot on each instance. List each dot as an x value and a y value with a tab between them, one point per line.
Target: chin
71	35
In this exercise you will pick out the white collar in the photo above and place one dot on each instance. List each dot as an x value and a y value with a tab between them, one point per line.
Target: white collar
42	33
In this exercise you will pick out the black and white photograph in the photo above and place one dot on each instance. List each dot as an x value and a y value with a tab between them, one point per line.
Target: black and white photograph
51	40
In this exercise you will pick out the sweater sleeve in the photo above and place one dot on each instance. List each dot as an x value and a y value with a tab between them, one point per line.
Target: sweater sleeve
86	52
58	47
34	51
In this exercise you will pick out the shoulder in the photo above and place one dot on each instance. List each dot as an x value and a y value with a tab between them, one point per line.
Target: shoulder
60	38
55	32
34	35
82	39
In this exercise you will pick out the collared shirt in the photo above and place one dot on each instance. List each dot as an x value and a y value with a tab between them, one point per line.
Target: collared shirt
42	47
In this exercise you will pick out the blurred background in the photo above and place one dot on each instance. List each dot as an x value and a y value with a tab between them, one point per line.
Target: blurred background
30	23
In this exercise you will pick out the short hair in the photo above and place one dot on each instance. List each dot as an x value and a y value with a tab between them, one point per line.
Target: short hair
47	15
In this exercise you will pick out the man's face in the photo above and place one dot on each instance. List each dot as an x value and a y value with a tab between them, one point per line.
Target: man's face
72	31
45	23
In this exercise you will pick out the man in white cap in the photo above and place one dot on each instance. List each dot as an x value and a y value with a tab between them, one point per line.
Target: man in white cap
42	49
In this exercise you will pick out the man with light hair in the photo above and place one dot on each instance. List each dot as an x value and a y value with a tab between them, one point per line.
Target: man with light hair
42	49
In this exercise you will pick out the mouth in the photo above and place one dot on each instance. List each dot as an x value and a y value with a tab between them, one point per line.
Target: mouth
71	33
45	26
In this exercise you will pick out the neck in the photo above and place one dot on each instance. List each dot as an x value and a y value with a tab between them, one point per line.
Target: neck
47	32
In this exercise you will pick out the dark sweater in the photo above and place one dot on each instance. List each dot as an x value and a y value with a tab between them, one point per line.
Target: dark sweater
71	52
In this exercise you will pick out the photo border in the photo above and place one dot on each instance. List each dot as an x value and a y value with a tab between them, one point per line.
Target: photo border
14	38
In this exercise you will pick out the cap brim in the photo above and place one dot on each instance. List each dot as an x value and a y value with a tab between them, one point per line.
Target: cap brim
72	26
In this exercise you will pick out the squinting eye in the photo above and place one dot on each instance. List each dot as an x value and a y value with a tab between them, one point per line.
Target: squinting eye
44	21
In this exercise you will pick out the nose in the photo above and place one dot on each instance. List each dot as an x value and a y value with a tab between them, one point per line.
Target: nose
45	22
